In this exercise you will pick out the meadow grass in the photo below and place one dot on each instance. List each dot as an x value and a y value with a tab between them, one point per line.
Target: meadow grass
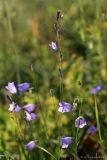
67	78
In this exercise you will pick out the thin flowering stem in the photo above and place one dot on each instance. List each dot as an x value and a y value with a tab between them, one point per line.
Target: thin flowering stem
97	119
61	77
98	126
43	149
77	130
58	30
76	139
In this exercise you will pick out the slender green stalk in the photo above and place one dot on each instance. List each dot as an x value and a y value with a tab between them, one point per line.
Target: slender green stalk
43	149
77	131
76	139
61	77
75	156
98	126
97	119
58	28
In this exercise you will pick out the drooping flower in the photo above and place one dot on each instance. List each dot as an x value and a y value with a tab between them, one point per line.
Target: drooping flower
97	89
80	122
54	46
29	107
31	145
17	109
30	116
14	107
65	107
92	129
23	87
65	142
11	88
11	108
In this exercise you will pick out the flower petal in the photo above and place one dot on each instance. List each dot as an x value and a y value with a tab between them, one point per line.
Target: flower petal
17	109
23	87
80	122
65	107
54	46
30	116
12	106
11	88
30	107
92	129
66	141
97	89
31	145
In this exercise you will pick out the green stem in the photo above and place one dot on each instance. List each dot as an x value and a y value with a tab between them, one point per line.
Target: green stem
97	119
60	58
77	130
43	149
58	27
76	139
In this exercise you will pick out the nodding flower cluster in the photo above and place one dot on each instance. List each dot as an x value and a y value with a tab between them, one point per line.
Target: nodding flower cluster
80	122
14	107
64	107
29	109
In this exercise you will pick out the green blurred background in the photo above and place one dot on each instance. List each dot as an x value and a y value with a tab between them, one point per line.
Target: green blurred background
26	30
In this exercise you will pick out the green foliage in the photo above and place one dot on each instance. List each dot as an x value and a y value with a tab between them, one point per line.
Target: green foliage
26	29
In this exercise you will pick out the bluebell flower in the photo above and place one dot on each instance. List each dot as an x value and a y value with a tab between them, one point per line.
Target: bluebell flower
30	116
14	107
31	145
65	142
92	129
11	88
97	89
54	46
23	87
17	109
80	122
30	107
11	108
65	107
